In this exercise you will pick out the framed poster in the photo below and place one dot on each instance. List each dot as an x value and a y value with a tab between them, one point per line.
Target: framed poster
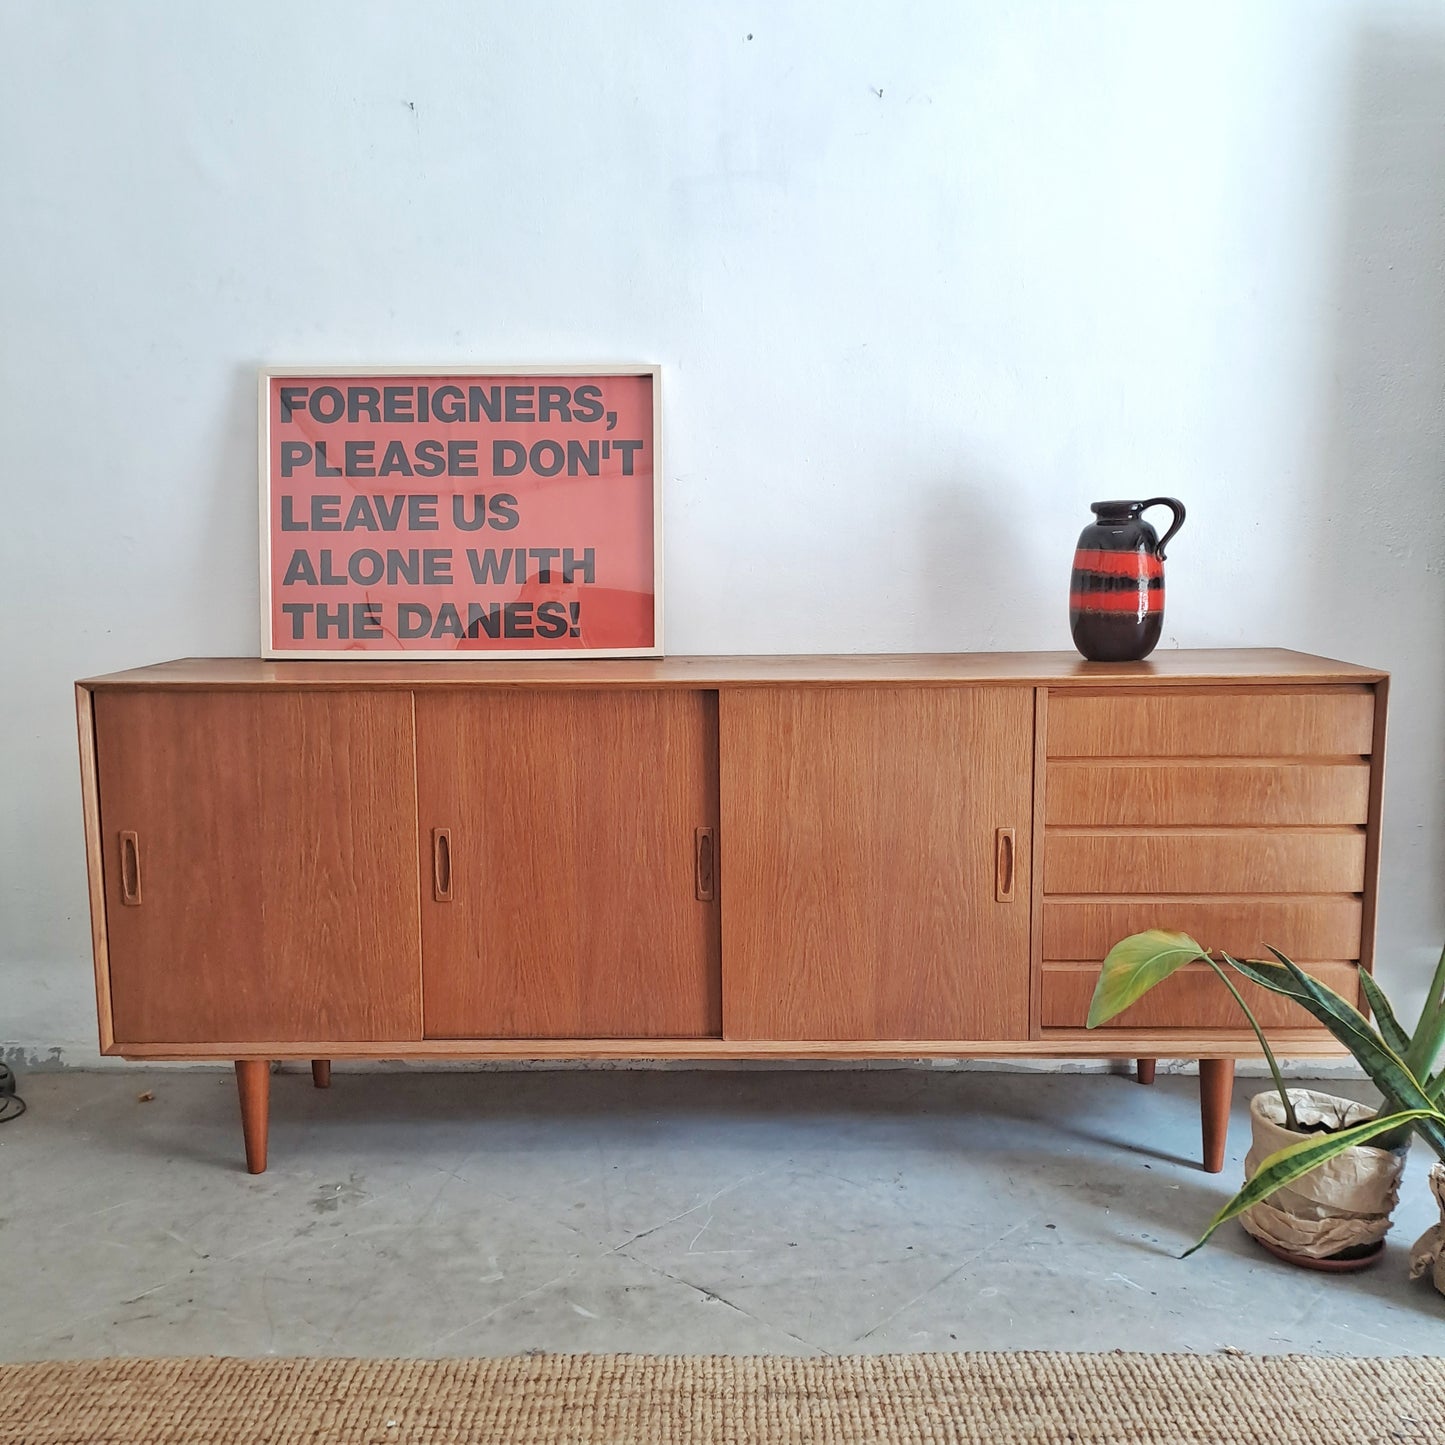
461	512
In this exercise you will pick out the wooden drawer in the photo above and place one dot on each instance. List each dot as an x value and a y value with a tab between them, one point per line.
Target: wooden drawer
1217	722
1193	999
1246	793
1322	926
1223	861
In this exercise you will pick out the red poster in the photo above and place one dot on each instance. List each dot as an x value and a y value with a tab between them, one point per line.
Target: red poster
461	513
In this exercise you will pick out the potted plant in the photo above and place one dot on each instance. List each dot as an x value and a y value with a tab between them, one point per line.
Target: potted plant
1322	1175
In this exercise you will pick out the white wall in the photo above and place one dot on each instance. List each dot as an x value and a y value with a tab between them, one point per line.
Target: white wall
924	279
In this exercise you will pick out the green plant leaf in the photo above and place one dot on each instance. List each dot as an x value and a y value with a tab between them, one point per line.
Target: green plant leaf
1288	1164
1353	1029
1290	1119
1386	1069
1429	1040
1342	1019
1273	976
1424	1055
1134	965
1433	1134
1390	1029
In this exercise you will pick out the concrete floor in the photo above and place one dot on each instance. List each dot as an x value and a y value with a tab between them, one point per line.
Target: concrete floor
460	1214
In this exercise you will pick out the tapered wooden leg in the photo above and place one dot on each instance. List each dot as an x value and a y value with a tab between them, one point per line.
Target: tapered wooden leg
321	1073
1216	1087
253	1080
1146	1070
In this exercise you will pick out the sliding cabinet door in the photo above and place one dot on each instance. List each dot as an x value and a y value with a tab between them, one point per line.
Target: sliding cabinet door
877	855
258	853
568	873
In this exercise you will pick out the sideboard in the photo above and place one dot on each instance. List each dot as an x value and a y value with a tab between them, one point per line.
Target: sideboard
852	857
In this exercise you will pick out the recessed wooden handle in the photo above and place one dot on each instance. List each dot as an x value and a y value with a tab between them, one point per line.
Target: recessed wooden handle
130	869
1004	865
704	847
441	864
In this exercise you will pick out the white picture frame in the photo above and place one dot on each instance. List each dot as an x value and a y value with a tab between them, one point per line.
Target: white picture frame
268	494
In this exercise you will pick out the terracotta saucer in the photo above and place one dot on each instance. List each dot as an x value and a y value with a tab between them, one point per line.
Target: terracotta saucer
1325	1266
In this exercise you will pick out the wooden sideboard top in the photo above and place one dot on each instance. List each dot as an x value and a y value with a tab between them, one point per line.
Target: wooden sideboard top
1054	669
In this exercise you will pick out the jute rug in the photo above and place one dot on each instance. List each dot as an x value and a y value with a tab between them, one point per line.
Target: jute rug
1000	1399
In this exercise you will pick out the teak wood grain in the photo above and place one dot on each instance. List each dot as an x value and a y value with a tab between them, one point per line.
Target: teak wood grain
1213	722
1057	1043
253	1084
1193	999
276	836
911	856
1225	666
1325	926
572	822
1249	791
1039	835
1216	1085
94	863
1373	827
860	836
1291	860
1244	815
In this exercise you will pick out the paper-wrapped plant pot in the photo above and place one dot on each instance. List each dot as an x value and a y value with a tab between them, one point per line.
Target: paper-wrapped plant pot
1428	1255
1344	1207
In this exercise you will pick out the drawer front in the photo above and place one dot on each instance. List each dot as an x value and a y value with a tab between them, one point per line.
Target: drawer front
1321	926
1227	860
1240	815
1192	998
1245	793
1213	723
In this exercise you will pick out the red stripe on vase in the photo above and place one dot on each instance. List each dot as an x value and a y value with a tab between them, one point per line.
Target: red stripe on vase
1118	564
1142	601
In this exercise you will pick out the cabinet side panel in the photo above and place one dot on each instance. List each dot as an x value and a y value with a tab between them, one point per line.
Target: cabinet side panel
1372	829
271	893
866	867
94	864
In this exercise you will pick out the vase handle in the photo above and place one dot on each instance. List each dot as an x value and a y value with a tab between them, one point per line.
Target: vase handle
1175	506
